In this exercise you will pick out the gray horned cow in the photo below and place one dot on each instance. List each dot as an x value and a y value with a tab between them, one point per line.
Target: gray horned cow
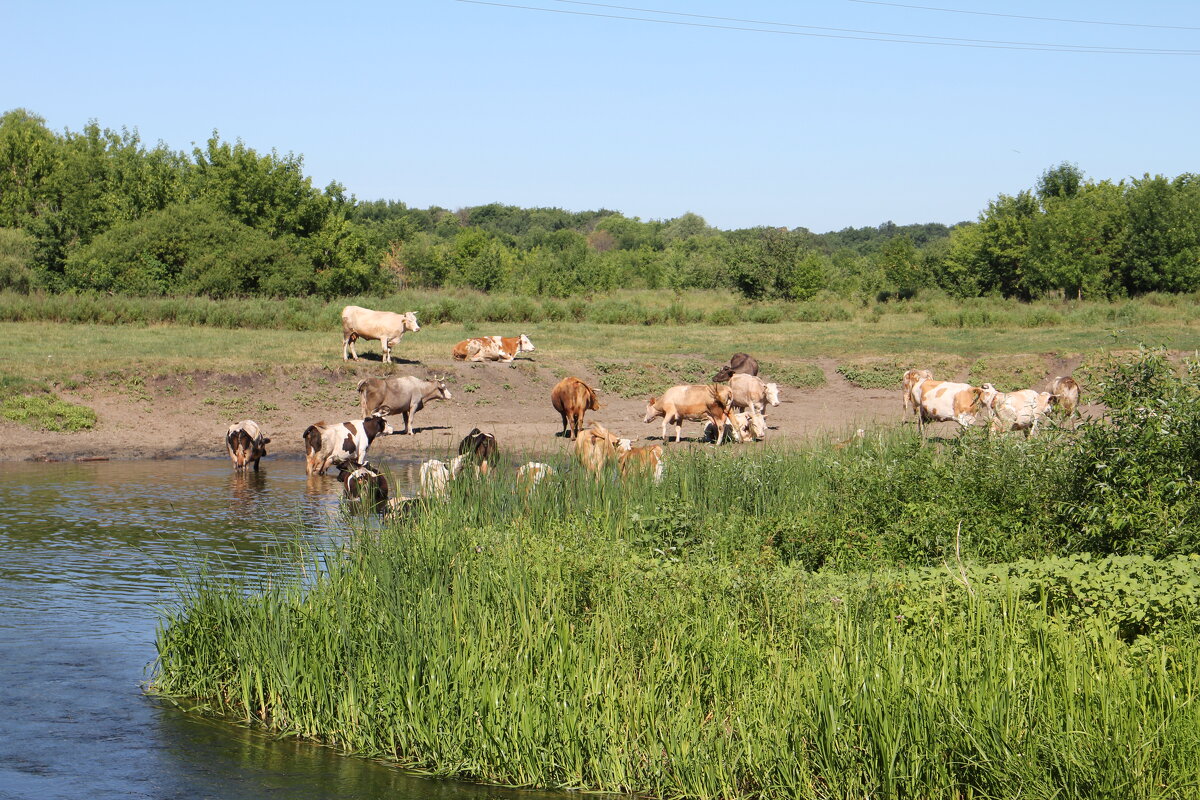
405	395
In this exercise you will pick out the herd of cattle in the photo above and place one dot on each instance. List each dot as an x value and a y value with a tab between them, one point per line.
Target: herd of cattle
734	403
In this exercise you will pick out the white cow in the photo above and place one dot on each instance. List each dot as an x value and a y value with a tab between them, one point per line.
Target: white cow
385	326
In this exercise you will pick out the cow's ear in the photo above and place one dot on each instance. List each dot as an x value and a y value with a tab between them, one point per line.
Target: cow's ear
266	440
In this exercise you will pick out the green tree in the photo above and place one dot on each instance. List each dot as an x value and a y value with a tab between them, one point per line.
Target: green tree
1062	181
1162	252
16	260
29	156
1076	244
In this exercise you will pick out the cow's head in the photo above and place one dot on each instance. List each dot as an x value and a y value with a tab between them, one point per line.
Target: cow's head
524	345
651	411
989	395
442	392
772	394
377	424
723	374
410	321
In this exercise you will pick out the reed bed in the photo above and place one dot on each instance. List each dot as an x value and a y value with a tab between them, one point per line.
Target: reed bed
679	640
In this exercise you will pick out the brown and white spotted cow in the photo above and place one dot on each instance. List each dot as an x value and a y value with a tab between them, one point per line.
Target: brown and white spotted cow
342	444
943	401
1066	395
911	378
1023	410
492	348
696	402
246	444
646	460
385	326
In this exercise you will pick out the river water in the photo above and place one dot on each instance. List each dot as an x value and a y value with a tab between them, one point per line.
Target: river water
90	551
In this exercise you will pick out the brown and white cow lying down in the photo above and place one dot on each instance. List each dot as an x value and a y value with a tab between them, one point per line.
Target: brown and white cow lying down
911	378
385	326
343	444
492	348
697	402
572	398
597	446
743	426
1021	411
750	392
642	461
739	364
531	473
404	395
943	401
246	444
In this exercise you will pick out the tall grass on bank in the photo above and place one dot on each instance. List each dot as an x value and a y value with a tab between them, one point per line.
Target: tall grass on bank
679	640
619	638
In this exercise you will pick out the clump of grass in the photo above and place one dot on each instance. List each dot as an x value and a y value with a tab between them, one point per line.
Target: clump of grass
800	375
1010	373
886	372
32	403
640	378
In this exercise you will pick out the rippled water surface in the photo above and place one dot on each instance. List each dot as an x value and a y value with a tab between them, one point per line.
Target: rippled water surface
89	550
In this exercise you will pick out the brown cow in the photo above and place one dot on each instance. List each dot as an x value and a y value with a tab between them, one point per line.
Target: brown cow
385	326
739	363
246	444
572	398
596	446
639	460
480	449
1066	394
697	402
492	348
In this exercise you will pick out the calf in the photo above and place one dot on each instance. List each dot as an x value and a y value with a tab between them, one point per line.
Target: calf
641	460
1066	394
385	326
710	402
911	378
366	489
1021	411
572	398
436	476
492	348
404	395
750	392
943	401
597	446
739	363
533	473
479	448
343	443
246	444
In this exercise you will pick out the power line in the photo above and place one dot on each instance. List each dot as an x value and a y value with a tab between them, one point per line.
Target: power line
1037	45
1022	16
897	38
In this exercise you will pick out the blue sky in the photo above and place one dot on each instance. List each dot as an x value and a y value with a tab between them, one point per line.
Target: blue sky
439	102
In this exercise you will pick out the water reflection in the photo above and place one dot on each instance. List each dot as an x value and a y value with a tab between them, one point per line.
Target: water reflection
89	551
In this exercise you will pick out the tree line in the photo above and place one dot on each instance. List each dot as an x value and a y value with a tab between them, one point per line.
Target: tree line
97	209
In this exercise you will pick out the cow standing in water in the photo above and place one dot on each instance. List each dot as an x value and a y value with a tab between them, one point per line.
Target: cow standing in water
246	444
343	444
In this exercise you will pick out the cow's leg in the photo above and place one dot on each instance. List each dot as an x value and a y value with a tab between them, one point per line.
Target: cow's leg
387	351
350	343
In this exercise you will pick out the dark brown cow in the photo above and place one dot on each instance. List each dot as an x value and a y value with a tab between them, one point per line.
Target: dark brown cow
480	449
572	398
366	489
738	362
246	444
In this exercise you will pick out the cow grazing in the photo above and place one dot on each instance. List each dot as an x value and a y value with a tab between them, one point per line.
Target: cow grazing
1021	411
739	364
436	476
710	402
366	489
642	461
1066	394
480	449
246	444
405	395
385	326
533	473
492	348
596	446
943	401
911	378
750	392
343	443
572	398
